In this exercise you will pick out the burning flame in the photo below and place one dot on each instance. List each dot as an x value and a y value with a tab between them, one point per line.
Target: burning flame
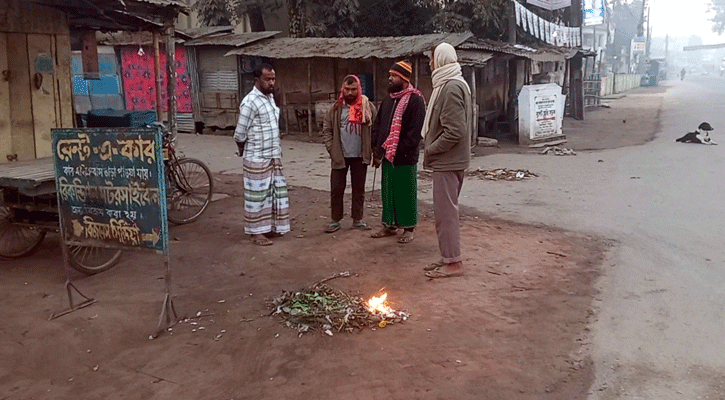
377	305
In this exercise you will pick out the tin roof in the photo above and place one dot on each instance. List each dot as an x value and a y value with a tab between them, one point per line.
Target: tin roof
116	15
231	39
143	38
347	47
476	58
544	53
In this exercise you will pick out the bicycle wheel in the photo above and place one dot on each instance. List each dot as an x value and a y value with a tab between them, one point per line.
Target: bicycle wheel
17	240
92	260
190	186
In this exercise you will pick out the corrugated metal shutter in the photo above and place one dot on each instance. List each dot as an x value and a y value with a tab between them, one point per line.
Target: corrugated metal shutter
219	81
185	122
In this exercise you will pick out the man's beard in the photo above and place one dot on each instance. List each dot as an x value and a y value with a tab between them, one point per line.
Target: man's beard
350	100
395	88
267	91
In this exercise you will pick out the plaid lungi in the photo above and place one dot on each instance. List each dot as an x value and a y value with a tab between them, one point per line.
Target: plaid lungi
266	205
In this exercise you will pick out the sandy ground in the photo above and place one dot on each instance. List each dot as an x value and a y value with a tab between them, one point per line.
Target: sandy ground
515	327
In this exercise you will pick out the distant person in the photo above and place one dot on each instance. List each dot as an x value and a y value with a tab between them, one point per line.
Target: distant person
682	74
266	205
346	132
447	138
396	142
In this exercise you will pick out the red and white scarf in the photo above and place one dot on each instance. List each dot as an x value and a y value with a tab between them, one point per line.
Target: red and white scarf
360	112
391	143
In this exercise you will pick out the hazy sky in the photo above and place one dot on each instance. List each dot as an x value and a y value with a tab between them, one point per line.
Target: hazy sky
682	18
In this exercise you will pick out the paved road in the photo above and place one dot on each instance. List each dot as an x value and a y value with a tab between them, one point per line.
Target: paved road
661	311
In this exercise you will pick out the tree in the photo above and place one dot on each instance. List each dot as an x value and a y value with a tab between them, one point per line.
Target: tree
213	12
717	8
485	18
393	18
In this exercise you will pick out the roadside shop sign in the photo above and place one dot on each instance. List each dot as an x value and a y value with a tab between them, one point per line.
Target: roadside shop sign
111	187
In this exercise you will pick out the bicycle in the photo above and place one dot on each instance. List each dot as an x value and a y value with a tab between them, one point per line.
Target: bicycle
189	184
29	206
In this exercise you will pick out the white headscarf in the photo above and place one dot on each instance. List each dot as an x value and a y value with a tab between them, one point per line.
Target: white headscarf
447	68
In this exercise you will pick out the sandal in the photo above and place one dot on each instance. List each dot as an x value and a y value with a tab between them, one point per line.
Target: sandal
384	233
433	266
407	237
261	241
333	227
437	274
361	225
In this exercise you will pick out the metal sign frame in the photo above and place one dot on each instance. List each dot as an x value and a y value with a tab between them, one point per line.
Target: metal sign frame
111	187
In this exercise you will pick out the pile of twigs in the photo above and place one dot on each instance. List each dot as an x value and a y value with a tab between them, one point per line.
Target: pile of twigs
322	308
502	174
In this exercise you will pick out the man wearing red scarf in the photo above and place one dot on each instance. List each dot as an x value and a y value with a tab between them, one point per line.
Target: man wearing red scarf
396	142
346	132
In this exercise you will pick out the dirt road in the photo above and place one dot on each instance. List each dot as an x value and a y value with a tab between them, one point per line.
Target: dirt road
516	327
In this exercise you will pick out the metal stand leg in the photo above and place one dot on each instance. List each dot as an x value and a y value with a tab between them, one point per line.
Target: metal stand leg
168	313
68	286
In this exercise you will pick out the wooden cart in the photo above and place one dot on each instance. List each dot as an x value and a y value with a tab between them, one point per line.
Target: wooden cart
29	209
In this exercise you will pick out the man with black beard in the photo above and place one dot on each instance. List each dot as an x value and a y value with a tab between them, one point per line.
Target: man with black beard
346	132
396	139
266	205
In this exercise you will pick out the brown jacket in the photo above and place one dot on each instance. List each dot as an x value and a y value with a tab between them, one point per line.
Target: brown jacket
448	141
333	143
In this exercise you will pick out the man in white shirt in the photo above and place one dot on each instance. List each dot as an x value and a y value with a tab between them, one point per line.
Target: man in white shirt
266	205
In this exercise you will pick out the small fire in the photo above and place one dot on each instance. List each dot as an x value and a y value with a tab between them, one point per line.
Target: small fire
377	305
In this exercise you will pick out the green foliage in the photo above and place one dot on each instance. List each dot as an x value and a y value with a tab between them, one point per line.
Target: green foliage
332	20
717	8
394	18
328	18
213	12
486	18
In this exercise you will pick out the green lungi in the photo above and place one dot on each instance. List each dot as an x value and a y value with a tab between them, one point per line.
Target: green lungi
400	195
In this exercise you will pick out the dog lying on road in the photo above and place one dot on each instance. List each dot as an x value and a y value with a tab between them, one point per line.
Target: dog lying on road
701	135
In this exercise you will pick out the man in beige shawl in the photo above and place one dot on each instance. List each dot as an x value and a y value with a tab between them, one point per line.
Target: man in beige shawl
447	138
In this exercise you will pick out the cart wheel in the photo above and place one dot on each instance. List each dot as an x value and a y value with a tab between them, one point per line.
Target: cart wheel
92	260
17	240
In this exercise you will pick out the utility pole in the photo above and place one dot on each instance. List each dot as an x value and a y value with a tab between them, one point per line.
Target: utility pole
649	35
667	47
576	81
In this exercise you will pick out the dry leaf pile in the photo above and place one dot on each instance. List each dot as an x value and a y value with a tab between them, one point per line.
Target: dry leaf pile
322	308
502	174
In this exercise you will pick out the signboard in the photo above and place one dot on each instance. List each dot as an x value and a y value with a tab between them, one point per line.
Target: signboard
541	114
111	187
545	116
639	45
593	11
550	4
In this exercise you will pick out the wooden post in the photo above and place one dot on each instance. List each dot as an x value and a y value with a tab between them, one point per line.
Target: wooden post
512	22
309	98
157	77
171	75
416	64
474	104
576	81
375	80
